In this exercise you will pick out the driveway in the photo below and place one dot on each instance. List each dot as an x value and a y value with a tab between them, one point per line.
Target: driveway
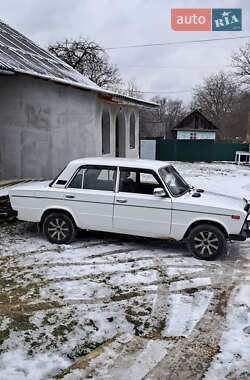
111	307
115	307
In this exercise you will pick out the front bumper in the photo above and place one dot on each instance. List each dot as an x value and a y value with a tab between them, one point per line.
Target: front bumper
245	232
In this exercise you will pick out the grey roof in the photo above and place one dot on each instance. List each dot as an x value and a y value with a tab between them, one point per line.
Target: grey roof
19	54
186	123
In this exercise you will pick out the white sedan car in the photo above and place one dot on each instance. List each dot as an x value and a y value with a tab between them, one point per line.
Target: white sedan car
135	197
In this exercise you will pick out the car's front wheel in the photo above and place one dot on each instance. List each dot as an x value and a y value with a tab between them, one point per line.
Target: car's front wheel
207	242
59	228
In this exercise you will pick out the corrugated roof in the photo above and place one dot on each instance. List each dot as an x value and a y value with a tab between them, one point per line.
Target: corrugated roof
21	55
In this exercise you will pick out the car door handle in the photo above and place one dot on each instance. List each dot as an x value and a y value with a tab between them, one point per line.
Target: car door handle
121	200
69	196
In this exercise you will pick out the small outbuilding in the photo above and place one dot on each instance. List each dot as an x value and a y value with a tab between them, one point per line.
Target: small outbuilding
195	126
51	114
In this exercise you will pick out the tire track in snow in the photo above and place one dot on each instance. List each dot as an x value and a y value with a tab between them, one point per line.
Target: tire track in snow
192	357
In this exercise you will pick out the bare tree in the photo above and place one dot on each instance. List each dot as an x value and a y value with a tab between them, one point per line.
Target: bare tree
171	113
133	90
90	59
241	62
160	122
129	88
238	121
216	97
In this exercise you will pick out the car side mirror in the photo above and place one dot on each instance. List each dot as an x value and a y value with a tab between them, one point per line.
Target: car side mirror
159	192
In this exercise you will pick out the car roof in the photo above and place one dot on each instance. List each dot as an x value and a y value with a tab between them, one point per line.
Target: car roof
122	162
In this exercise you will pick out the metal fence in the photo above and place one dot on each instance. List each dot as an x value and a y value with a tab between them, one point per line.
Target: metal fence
197	150
148	149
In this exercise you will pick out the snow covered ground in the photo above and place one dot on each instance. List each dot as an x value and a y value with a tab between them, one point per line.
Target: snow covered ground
225	178
113	307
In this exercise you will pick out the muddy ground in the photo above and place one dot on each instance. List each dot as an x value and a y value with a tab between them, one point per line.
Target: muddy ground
113	307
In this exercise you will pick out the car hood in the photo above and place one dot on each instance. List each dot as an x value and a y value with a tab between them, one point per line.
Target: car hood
210	201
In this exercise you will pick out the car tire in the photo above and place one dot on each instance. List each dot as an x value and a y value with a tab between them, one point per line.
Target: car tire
207	242
59	228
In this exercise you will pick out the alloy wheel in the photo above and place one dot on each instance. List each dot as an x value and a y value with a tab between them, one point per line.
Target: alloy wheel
58	229
206	243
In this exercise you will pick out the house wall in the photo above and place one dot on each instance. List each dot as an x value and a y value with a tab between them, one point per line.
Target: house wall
114	111
44	125
186	135
151	125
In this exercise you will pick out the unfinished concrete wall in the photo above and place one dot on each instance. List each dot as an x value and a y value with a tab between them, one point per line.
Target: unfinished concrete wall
43	126
115	110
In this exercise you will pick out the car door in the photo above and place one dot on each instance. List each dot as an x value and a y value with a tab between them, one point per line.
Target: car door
137	210
90	196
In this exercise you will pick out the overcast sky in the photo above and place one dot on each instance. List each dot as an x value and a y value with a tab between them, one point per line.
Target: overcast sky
125	22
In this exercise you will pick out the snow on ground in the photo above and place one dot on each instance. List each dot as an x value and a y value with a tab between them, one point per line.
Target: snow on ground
113	307
191	309
15	365
225	178
235	343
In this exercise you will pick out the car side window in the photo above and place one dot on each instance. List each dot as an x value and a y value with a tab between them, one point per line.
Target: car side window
94	178
138	181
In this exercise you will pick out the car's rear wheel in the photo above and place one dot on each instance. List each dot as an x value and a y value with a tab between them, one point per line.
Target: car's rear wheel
59	228
207	242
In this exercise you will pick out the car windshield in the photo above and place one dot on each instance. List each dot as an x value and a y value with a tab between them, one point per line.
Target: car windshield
173	181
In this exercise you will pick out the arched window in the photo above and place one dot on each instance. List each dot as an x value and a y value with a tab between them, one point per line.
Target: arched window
132	131
105	132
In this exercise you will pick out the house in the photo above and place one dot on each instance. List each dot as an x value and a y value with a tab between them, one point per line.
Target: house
51	114
195	126
151	125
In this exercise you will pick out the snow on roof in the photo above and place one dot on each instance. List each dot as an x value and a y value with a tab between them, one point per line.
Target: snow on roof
19	54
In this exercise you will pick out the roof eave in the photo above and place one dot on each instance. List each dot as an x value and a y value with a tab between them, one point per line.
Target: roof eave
128	99
125	100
